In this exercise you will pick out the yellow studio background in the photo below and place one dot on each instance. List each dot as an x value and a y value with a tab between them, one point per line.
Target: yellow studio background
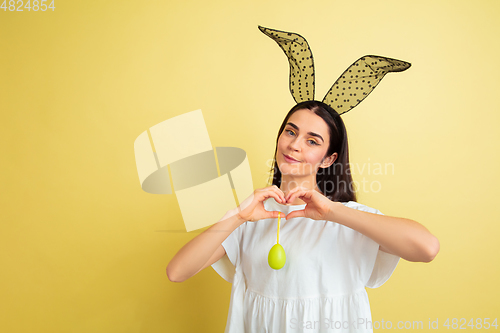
84	249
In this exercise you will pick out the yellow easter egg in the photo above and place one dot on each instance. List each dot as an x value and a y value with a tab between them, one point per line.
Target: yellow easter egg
277	257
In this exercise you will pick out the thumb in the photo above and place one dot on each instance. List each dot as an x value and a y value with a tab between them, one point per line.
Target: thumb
296	213
275	214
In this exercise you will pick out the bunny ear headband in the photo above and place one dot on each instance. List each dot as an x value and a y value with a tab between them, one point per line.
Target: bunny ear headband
353	86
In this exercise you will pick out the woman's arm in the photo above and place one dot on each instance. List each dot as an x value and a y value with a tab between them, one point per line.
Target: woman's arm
206	248
194	256
399	236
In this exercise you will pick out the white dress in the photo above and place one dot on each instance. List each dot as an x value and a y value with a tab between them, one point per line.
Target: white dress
321	288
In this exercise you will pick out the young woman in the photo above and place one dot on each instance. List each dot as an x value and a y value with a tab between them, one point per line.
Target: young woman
335	247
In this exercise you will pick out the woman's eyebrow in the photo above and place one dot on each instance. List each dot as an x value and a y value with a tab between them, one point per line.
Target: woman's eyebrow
310	133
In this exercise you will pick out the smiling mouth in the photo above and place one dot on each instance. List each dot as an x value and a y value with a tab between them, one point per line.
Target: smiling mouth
289	159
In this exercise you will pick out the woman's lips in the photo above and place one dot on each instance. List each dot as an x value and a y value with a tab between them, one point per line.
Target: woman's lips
289	159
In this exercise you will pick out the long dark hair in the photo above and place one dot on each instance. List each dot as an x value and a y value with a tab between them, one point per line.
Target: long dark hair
335	182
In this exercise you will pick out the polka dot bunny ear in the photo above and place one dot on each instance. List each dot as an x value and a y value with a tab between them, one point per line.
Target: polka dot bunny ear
353	86
359	80
301	62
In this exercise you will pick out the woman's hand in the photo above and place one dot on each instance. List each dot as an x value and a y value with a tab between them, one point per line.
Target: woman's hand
317	205
252	208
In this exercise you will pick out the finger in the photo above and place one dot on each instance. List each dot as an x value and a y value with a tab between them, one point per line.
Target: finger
302	194
292	192
274	214
298	188
296	213
274	195
278	191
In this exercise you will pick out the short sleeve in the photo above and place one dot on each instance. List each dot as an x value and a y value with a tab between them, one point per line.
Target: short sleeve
226	266
385	264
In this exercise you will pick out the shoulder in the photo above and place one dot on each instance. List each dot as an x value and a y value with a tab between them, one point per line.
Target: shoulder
360	206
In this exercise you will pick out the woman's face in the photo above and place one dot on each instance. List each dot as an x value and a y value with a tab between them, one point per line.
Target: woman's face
303	144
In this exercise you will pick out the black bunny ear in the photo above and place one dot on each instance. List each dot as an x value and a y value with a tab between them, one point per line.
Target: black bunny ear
359	80
301	62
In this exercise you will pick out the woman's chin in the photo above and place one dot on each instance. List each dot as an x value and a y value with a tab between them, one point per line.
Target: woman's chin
288	170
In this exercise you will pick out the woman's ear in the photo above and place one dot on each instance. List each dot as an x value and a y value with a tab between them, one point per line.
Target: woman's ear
327	161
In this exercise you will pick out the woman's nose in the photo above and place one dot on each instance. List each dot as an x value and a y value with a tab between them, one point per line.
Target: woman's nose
294	144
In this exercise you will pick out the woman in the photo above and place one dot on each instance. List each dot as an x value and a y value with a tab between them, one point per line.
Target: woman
335	246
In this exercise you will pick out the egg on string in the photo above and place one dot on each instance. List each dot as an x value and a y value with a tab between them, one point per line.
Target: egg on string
277	256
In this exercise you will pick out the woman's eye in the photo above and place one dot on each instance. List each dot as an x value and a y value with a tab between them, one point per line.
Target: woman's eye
313	142
290	132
